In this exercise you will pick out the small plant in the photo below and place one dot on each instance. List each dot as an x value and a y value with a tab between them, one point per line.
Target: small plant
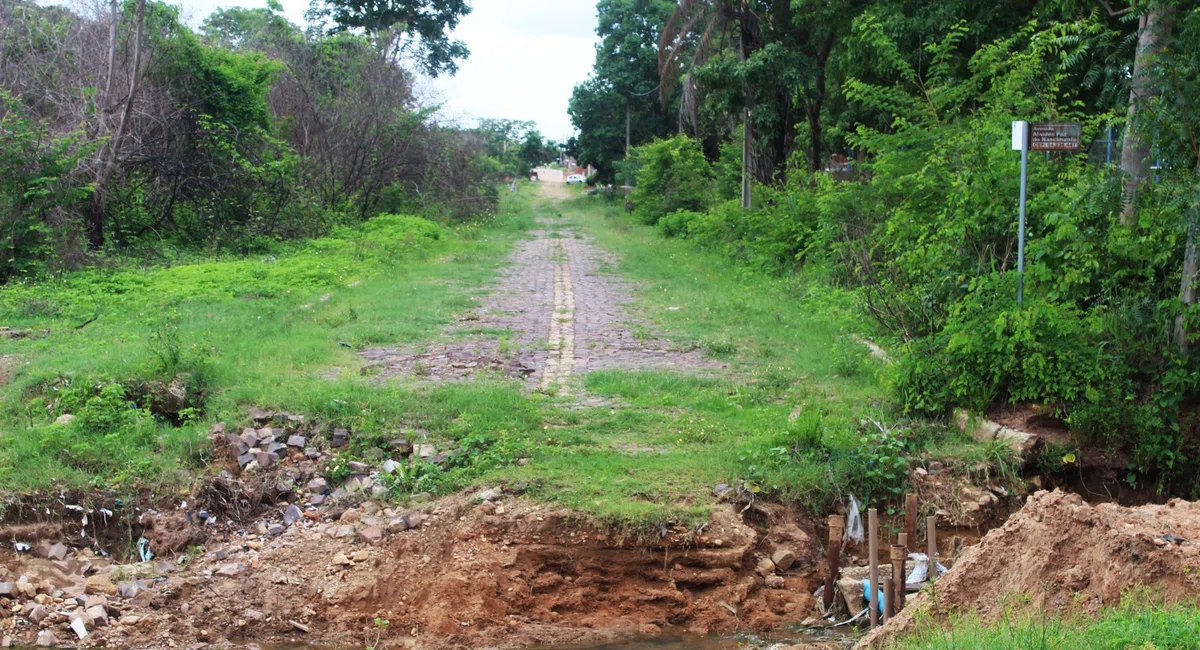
848	357
720	348
379	626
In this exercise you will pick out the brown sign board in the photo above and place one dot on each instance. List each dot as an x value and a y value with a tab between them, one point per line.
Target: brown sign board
1055	136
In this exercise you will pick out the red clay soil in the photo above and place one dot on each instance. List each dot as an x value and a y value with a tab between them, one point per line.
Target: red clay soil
505	574
1063	554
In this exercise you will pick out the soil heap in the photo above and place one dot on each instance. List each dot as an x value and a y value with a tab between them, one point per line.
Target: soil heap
1063	554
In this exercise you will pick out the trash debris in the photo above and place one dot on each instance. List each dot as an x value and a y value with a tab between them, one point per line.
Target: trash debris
143	548
854	523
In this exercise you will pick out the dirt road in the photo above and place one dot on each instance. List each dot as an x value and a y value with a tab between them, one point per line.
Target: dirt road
559	308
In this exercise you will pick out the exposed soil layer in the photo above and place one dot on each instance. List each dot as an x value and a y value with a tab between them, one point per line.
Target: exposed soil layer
498	573
1064	554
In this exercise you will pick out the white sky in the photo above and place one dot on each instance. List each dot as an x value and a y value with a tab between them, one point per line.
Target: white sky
526	57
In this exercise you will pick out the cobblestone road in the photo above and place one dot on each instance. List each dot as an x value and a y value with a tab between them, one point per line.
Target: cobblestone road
562	310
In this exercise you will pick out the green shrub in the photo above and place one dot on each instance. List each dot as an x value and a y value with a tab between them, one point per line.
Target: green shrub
672	175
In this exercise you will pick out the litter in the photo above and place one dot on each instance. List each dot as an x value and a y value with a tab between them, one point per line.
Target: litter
854	523
143	547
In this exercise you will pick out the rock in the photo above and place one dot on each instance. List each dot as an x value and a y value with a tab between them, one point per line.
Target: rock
7	588
245	459
397	525
45	638
265	459
292	515
358	467
275	530
379	490
340	559
42	550
371	535
37	614
490	494
253	615
297	441
343	532
312	453
774	582
318	486
765	567
425	451
97	615
25	588
415	519
360	556
130	619
720	488
340	438
231	570
400	446
317	499
783	559
249	438
130	589
350	516
390	466
217	429
99	584
64	419
58	552
261	417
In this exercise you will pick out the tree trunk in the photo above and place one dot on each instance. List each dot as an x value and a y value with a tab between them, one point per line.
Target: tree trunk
95	219
1191	268
747	191
1135	152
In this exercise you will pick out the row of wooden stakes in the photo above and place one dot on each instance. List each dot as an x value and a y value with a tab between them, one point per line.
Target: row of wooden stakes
894	587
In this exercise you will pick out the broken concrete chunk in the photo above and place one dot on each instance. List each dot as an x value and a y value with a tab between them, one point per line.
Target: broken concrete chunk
371	535
58	552
783	559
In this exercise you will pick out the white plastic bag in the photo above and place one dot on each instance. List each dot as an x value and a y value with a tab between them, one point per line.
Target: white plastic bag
854	524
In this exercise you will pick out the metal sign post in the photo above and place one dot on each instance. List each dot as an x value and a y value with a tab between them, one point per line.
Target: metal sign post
1020	142
1038	136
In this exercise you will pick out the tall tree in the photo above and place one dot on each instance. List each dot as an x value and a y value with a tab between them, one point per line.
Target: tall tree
425	23
620	104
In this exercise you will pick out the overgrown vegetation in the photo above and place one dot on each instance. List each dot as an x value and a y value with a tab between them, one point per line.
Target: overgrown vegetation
879	143
123	131
166	351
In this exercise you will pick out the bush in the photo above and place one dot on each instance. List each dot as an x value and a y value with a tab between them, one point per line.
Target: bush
672	175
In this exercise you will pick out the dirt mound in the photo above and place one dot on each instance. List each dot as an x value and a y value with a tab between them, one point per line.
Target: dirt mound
1062	553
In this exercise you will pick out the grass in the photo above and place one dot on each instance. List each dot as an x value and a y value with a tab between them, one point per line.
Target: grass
246	331
791	416
1137	624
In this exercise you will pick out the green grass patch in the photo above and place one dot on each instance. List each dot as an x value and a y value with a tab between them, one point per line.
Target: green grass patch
257	331
1135	625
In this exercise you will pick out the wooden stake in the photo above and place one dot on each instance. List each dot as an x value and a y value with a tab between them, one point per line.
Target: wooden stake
837	527
931	539
873	549
889	598
898	554
910	521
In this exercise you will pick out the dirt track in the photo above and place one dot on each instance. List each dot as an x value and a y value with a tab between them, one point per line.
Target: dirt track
563	310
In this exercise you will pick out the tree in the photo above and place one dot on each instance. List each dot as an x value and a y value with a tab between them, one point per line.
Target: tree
619	105
426	24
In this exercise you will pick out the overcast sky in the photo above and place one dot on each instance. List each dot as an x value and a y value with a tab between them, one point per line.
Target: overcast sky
526	56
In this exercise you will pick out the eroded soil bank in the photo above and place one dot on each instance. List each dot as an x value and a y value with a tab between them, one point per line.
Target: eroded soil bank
484	570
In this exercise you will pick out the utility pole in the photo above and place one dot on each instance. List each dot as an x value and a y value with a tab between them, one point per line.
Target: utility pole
628	127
